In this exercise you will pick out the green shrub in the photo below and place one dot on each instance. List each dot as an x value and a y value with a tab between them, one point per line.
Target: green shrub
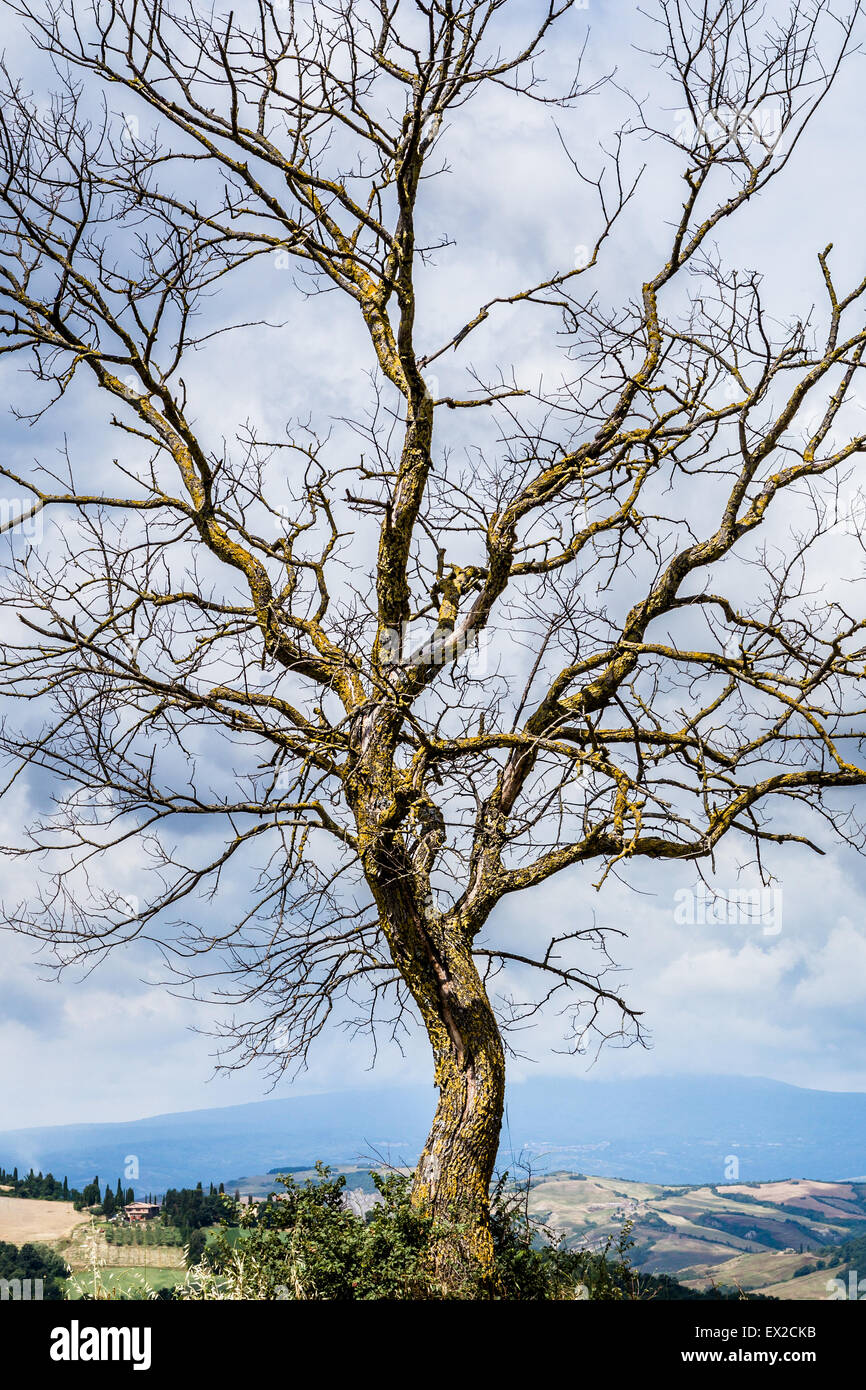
308	1245
34	1261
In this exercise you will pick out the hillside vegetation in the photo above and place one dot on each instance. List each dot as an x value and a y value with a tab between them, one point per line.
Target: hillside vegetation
355	1237
762	1237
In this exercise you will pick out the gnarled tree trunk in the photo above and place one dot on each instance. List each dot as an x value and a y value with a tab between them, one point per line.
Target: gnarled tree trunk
433	952
452	1179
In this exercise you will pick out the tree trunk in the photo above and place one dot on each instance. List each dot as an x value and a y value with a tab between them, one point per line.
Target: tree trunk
433	953
452	1180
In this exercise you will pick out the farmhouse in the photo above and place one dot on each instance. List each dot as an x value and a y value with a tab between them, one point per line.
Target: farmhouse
141	1211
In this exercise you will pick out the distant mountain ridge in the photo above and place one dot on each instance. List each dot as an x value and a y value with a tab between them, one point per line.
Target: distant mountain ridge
656	1129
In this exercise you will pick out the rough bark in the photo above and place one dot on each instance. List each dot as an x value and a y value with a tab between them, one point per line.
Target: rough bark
452	1179
433	952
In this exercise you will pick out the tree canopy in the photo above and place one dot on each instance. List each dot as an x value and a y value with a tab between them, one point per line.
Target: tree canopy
409	664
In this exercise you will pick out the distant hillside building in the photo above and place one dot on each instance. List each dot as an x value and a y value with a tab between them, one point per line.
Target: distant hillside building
141	1211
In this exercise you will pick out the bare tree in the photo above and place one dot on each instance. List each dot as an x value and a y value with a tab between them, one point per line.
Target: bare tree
303	683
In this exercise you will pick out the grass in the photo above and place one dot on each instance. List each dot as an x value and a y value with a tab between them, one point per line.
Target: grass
128	1280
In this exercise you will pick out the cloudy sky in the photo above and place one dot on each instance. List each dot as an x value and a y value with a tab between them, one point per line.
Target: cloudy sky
781	997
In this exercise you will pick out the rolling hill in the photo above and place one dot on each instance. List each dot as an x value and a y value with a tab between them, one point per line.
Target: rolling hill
777	1238
657	1130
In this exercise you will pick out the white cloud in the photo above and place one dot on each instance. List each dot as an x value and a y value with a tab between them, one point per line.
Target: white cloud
715	998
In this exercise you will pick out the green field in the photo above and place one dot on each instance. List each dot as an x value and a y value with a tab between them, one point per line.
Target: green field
126	1281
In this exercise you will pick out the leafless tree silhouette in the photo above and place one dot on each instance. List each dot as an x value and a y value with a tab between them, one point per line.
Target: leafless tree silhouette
320	686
